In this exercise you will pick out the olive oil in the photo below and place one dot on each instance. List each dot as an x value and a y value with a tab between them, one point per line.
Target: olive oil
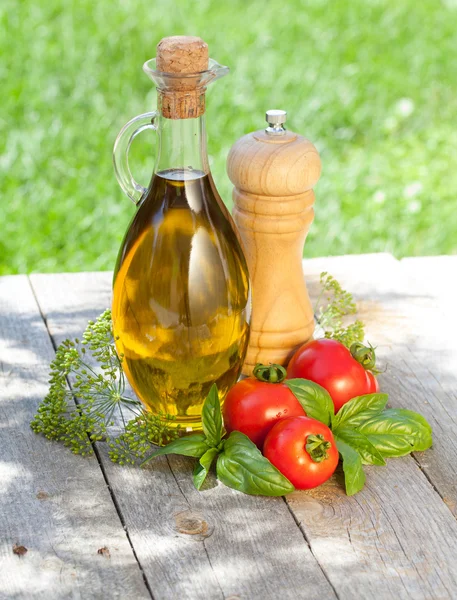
181	297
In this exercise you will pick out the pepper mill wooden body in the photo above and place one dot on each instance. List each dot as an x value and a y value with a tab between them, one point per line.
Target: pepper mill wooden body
274	171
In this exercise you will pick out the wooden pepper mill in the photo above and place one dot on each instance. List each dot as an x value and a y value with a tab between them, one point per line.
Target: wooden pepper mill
274	171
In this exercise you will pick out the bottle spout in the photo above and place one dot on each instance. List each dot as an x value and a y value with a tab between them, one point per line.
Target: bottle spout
200	79
216	71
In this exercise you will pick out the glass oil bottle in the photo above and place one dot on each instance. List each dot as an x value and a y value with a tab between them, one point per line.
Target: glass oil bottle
181	292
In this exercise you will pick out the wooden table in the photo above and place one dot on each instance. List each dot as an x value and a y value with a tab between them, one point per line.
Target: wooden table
395	539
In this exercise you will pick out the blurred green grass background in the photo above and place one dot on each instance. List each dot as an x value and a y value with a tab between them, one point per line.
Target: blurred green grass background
371	82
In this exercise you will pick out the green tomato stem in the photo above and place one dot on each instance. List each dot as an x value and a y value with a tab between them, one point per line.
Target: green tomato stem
365	355
269	373
317	447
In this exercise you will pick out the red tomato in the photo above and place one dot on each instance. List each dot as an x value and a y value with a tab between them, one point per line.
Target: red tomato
303	449
374	385
333	366
253	405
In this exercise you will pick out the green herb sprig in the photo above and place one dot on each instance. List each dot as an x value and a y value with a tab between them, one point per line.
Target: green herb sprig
87	412
332	315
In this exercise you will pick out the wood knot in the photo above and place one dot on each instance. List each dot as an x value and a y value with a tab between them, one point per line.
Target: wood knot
19	550
191	524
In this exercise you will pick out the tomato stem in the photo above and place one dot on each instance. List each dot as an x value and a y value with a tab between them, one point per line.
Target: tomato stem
317	447
269	373
365	355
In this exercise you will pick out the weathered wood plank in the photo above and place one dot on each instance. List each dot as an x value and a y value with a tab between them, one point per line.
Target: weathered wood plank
51	502
211	544
396	538
433	343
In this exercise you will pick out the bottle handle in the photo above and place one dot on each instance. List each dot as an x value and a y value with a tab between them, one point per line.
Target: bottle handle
127	134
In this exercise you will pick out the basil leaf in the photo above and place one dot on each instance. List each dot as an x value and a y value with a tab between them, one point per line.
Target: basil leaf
359	409
397	431
315	399
242	467
192	445
361	444
354	476
212	417
203	466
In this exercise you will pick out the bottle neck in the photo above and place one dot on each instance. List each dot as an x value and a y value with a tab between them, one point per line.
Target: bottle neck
182	144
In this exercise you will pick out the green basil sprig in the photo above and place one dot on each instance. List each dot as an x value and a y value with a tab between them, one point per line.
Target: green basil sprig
240	465
365	431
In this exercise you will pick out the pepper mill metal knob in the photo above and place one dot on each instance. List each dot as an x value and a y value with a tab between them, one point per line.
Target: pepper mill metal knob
274	171
275	119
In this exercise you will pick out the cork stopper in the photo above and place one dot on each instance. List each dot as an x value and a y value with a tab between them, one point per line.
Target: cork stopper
182	54
182	97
